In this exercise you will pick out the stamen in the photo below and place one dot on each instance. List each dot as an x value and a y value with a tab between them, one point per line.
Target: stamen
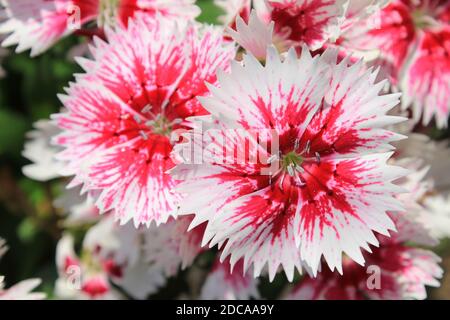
176	121
318	157
299	181
143	135
137	119
290	170
146	109
297	144
281	181
307	148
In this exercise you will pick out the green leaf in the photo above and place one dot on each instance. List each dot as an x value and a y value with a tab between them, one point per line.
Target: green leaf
210	12
27	230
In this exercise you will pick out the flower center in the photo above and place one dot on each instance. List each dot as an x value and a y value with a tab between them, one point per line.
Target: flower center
422	19
107	12
158	123
291	162
161	125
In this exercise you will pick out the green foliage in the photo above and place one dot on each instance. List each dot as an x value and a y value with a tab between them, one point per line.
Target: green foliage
210	12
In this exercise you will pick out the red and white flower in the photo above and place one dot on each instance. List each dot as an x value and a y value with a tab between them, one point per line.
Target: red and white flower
224	284
140	260
426	81
140	87
76	281
299	22
233	9
255	37
120	252
395	271
38	24
332	187
413	43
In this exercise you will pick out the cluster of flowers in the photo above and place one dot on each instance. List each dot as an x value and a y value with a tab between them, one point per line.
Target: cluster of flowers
157	136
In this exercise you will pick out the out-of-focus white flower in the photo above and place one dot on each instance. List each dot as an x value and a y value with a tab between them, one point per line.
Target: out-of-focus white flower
224	284
428	183
171	246
255	37
79	209
22	290
140	260
120	249
41	152
84	277
437	219
233	9
434	154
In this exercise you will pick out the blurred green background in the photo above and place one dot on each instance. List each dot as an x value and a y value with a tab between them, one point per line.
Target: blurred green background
28	221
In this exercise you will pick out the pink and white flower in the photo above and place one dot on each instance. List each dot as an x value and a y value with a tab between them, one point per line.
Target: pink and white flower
332	186
38	24
140	87
300	22
140	260
224	284
233	9
426	81
255	37
395	271
109	254
81	278
412	40
120	252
